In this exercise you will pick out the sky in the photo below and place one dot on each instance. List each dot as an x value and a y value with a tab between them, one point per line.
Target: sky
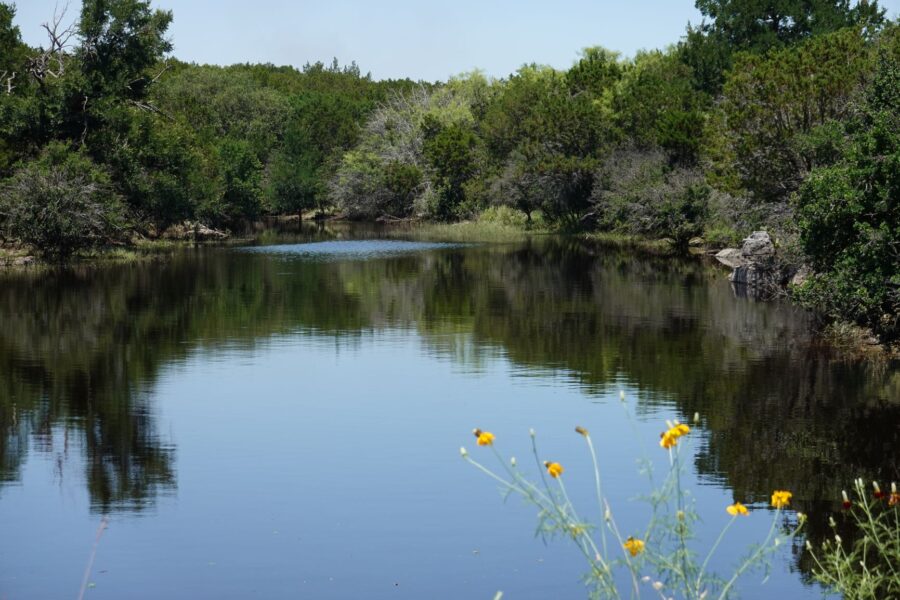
419	39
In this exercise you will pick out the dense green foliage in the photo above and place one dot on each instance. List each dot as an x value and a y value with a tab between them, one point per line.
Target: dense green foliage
711	137
178	141
850	212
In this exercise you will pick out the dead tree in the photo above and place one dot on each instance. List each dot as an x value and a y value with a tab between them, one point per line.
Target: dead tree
51	61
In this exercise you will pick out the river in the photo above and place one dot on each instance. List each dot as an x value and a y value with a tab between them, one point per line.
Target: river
284	420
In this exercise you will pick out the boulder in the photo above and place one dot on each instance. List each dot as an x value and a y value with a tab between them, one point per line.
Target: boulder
731	258
758	246
189	231
753	266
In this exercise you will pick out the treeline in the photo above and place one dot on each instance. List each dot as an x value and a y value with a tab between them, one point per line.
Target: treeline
102	135
782	115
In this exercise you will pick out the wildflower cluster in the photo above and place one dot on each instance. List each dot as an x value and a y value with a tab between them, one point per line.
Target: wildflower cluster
662	547
869	566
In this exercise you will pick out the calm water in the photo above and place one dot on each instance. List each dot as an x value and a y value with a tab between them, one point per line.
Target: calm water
283	421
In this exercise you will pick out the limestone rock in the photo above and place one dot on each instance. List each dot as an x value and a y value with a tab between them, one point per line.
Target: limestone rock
731	258
758	246
189	231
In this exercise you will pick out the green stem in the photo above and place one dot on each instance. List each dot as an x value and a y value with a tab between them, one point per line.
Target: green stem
713	551
752	559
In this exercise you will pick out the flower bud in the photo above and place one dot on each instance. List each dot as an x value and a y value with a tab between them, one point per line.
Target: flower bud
463	452
512	461
622	395
809	545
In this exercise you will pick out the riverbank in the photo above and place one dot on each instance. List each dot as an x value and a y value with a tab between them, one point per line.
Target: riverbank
497	227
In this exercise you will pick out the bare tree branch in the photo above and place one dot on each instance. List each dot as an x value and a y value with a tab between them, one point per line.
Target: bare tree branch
9	81
51	61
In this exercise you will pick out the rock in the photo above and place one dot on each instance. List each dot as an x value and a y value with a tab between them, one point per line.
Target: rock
731	258
188	231
758	246
750	275
696	242
753	265
23	261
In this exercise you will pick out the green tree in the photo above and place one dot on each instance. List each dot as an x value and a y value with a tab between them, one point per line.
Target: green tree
758	26
242	178
12	65
761	25
451	152
771	103
656	105
850	214
321	126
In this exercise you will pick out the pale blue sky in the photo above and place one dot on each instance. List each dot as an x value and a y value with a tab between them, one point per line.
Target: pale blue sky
407	38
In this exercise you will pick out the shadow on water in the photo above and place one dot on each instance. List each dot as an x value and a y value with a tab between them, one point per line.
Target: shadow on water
81	351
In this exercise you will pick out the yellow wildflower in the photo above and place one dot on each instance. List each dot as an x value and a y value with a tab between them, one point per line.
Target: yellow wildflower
681	429
737	509
781	498
554	468
485	438
667	440
670	437
634	546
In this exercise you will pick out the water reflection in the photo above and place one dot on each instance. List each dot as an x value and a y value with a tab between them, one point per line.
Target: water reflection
81	351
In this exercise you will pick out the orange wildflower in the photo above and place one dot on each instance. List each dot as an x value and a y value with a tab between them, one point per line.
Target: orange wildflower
737	509
485	438
781	498
634	545
554	468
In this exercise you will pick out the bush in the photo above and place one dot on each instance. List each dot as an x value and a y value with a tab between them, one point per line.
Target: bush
866	567
505	216
60	204
638	193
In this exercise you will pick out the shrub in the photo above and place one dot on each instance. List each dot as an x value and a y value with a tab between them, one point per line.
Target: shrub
639	193
869	566
60	204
